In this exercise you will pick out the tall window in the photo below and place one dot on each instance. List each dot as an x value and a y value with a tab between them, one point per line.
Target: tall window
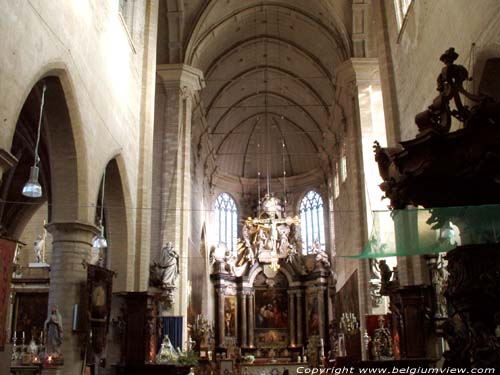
343	163
312	222
226	221
402	7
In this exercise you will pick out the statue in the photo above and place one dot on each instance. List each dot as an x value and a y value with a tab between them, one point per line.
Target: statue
169	264
321	255
382	341
38	246
53	330
167	353
385	277
449	84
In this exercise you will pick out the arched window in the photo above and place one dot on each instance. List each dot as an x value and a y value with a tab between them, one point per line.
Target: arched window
226	221
312	222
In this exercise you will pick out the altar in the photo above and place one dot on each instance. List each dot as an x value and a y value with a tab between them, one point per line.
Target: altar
271	300
277	368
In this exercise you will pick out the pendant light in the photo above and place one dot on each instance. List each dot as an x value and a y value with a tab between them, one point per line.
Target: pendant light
100	241
32	188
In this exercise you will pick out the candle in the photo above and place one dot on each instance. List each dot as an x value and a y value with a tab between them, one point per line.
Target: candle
23	335
321	342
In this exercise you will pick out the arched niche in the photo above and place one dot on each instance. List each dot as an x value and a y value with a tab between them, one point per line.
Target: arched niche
58	159
120	255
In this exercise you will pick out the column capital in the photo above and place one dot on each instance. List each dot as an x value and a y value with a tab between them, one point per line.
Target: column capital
181	76
356	71
72	231
7	161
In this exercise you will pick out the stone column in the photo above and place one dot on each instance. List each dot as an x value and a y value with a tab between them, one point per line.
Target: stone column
220	317
7	160
244	342
291	320
300	317
180	83
361	79
321	311
71	245
251	319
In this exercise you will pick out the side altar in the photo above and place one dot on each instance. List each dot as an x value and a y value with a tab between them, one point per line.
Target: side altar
271	301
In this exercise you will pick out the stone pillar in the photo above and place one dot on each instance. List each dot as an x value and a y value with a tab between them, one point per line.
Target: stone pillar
220	317
321	311
361	79
180	83
244	342
7	160
71	245
300	317
251	319
291	320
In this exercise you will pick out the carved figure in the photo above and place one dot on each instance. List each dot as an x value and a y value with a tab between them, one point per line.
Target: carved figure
169	262
321	255
385	277
38	246
53	332
382	341
284	244
167	353
450	85
271	206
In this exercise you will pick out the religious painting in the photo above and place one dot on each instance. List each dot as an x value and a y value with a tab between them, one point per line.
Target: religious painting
99	286
312	314
271	338
230	316
271	309
7	249
30	312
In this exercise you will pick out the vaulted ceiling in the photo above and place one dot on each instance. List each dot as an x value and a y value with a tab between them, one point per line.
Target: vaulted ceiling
269	67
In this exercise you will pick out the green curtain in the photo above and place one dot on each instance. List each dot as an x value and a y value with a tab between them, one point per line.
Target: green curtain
428	231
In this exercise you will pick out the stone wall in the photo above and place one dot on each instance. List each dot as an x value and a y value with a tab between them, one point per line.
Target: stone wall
430	28
101	57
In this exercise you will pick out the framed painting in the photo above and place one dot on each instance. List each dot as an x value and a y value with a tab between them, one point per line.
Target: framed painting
312	311
230	316
271	309
30	313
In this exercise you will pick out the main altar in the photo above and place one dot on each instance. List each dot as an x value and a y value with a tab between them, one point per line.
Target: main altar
271	301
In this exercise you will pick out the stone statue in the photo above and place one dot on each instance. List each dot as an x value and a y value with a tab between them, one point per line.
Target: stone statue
382	341
169	263
53	332
38	246
450	86
321	255
167	353
385	277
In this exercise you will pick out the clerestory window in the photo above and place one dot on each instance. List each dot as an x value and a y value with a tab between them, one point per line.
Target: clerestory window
312	222
226	221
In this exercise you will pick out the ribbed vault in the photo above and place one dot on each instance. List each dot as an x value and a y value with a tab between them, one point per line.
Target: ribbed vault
269	68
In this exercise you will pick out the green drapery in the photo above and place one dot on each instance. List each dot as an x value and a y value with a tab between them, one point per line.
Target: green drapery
428	231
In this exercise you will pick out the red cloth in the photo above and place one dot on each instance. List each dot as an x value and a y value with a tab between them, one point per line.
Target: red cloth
7	249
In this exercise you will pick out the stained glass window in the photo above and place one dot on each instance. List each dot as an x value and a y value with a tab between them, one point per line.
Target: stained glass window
312	222
226	221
